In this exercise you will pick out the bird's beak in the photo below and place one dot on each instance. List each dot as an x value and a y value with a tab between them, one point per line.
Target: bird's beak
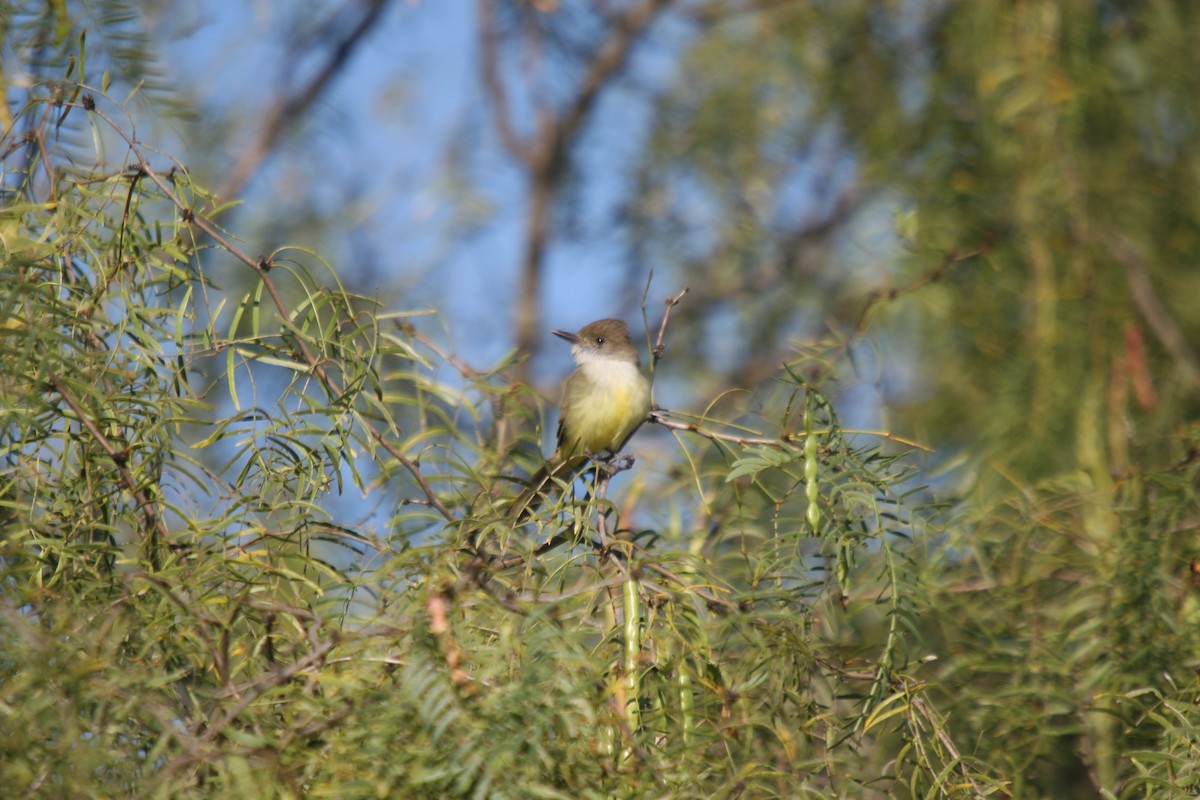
573	338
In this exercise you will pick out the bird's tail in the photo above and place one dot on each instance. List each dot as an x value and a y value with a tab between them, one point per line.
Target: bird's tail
554	475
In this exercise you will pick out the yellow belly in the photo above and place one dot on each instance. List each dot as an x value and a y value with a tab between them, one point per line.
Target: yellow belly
600	410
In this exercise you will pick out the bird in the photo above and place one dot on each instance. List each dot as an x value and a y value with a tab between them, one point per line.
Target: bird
603	402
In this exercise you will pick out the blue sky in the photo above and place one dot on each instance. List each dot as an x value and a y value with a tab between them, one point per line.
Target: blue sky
385	127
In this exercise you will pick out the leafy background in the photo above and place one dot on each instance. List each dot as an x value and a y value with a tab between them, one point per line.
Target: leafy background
917	517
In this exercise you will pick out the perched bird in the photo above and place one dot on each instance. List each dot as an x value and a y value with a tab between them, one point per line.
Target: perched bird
603	402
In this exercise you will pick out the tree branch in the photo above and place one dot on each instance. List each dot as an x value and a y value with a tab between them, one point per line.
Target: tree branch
493	84
661	416
544	155
627	27
284	111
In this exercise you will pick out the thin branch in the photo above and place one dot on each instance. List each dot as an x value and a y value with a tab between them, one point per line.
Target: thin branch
660	417
602	477
608	59
286	110
949	260
703	594
493	84
544	153
921	707
462	367
120	457
880	295
659	348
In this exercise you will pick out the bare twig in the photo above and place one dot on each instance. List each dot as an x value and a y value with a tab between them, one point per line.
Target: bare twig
462	367
659	348
949	260
660	417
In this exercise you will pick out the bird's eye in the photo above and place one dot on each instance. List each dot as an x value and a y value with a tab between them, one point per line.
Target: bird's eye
599	340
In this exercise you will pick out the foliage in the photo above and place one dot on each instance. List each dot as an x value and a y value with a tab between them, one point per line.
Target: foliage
185	615
44	41
1075	652
255	537
1034	163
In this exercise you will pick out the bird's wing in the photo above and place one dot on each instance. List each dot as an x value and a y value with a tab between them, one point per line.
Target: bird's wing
562	433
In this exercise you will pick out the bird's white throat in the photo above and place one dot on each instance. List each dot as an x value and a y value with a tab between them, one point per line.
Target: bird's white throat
607	370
